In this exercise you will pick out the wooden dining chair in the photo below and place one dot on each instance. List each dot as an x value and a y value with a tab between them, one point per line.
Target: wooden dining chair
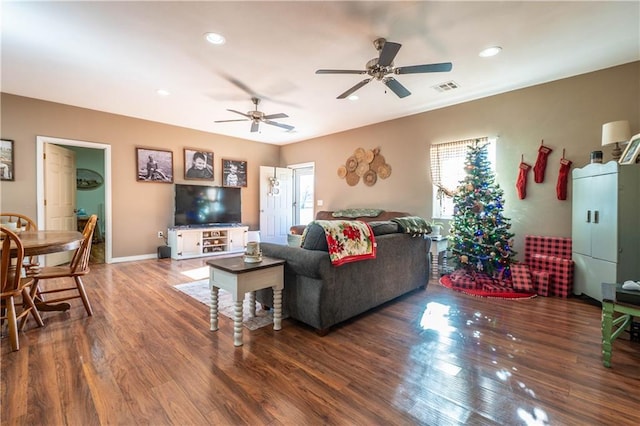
78	267
23	223
15	288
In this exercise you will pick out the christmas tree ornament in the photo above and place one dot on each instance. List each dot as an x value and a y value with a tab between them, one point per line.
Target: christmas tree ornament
541	163
521	183
563	176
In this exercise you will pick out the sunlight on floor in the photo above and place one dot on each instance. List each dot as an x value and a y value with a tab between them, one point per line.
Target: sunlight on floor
198	273
436	317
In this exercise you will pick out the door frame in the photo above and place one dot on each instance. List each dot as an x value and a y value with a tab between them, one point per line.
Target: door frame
40	177
294	188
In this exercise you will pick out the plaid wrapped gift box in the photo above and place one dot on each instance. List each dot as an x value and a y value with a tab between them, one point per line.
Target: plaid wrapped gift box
521	278
497	288
541	282
552	255
461	279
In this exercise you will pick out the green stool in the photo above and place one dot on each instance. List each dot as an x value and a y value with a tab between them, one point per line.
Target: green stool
615	299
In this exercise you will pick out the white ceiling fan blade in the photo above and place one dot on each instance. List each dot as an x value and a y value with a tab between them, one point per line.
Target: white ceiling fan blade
229	121
279	115
284	126
238	112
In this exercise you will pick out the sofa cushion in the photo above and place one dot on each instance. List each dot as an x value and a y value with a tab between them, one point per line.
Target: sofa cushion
314	238
384	227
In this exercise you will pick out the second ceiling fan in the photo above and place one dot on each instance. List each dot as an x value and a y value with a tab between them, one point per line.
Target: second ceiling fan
256	117
379	68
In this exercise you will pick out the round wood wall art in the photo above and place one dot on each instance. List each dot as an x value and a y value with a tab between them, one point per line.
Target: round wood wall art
367	164
351	164
370	178
352	179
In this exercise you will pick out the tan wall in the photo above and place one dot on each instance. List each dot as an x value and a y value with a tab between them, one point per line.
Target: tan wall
140	209
568	114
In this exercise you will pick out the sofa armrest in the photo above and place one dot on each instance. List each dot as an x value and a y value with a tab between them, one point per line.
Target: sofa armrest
297	229
299	260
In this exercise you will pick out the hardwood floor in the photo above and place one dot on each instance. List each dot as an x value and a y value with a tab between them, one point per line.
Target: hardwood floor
432	357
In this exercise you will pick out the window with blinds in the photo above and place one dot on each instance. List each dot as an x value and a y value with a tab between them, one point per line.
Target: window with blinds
447	170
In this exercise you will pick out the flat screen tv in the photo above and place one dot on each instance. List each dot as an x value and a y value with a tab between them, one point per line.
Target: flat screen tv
199	205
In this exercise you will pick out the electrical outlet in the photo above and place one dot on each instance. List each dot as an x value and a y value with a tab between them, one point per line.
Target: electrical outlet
160	234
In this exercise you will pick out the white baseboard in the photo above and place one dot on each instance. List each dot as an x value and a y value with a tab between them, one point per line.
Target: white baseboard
134	258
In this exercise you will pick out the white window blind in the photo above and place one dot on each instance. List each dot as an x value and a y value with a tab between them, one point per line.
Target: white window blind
447	170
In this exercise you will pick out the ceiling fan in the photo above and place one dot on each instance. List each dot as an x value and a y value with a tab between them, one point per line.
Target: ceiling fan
256	117
380	67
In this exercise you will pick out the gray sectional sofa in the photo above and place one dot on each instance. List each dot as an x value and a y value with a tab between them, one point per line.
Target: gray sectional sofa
322	295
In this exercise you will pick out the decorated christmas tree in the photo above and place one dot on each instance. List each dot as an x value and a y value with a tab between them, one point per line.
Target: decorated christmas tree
479	238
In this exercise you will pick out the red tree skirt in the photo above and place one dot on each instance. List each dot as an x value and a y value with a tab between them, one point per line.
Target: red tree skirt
445	280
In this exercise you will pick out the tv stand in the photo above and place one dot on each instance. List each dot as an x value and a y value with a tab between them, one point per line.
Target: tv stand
187	243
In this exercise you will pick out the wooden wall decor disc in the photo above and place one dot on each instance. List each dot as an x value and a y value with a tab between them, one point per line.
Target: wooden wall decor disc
342	172
362	169
384	171
351	164
368	156
378	160
352	179
370	178
359	154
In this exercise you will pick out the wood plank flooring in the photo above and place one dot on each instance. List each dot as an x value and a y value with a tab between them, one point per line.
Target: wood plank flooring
431	357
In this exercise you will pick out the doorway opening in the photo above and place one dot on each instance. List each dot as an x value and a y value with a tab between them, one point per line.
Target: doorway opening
103	249
303	193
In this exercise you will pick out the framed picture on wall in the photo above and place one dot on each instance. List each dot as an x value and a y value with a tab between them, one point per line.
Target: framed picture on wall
6	160
234	173
154	165
631	153
198	164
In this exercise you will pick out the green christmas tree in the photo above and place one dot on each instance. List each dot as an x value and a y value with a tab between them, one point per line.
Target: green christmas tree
479	238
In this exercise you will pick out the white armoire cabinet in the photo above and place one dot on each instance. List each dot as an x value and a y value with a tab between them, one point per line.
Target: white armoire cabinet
605	226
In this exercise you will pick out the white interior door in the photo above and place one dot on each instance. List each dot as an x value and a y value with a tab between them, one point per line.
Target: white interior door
276	204
60	195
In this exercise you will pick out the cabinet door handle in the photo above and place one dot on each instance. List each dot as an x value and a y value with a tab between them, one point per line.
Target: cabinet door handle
595	216
588	216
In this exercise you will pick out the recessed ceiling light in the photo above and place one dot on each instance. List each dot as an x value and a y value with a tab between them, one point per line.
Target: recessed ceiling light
215	38
353	98
163	92
490	51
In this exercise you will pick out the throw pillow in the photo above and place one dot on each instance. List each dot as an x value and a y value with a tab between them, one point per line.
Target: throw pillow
314	238
383	227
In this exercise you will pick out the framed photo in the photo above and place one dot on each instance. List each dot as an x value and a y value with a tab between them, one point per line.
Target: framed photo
632	151
234	173
6	160
198	164
154	165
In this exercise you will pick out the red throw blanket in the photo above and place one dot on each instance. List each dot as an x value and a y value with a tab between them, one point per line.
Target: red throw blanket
348	240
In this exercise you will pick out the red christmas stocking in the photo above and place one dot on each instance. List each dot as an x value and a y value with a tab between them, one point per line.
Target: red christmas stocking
563	175
521	183
541	163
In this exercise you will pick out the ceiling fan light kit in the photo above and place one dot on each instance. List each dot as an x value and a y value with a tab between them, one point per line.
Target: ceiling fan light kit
379	68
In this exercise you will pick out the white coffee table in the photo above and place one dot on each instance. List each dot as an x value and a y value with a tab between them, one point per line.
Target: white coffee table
237	277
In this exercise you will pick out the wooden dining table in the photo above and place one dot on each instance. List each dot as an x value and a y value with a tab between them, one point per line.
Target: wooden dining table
38	243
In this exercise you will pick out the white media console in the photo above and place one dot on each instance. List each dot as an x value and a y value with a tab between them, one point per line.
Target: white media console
187	243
